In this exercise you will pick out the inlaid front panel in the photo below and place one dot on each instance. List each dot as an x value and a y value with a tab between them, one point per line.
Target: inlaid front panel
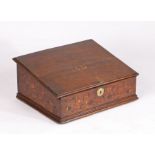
97	96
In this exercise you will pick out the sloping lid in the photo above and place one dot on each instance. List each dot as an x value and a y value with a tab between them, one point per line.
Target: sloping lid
76	67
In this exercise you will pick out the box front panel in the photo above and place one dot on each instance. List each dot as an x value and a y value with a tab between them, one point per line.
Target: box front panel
99	96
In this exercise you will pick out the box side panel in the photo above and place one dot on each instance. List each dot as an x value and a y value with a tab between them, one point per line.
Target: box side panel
114	93
30	88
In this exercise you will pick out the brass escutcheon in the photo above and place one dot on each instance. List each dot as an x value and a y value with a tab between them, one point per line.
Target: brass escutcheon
100	91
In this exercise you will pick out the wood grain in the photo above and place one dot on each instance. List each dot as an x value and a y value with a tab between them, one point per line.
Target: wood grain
63	82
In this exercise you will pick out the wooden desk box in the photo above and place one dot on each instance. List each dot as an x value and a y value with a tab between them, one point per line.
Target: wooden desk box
73	81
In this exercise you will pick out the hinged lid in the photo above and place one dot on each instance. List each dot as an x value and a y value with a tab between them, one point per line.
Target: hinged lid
76	67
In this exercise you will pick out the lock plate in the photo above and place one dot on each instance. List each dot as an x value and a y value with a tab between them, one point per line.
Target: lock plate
100	92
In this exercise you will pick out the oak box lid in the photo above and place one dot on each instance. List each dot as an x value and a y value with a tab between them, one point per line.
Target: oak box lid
75	67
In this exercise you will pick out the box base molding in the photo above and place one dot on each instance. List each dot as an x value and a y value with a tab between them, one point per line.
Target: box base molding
78	115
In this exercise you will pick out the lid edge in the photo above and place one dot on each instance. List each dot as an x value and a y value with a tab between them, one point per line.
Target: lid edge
95	85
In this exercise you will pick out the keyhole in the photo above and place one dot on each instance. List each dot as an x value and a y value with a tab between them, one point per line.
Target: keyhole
100	92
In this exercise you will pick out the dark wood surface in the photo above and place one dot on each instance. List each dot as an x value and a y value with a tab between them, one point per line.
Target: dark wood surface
63	82
76	67
90	100
75	106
